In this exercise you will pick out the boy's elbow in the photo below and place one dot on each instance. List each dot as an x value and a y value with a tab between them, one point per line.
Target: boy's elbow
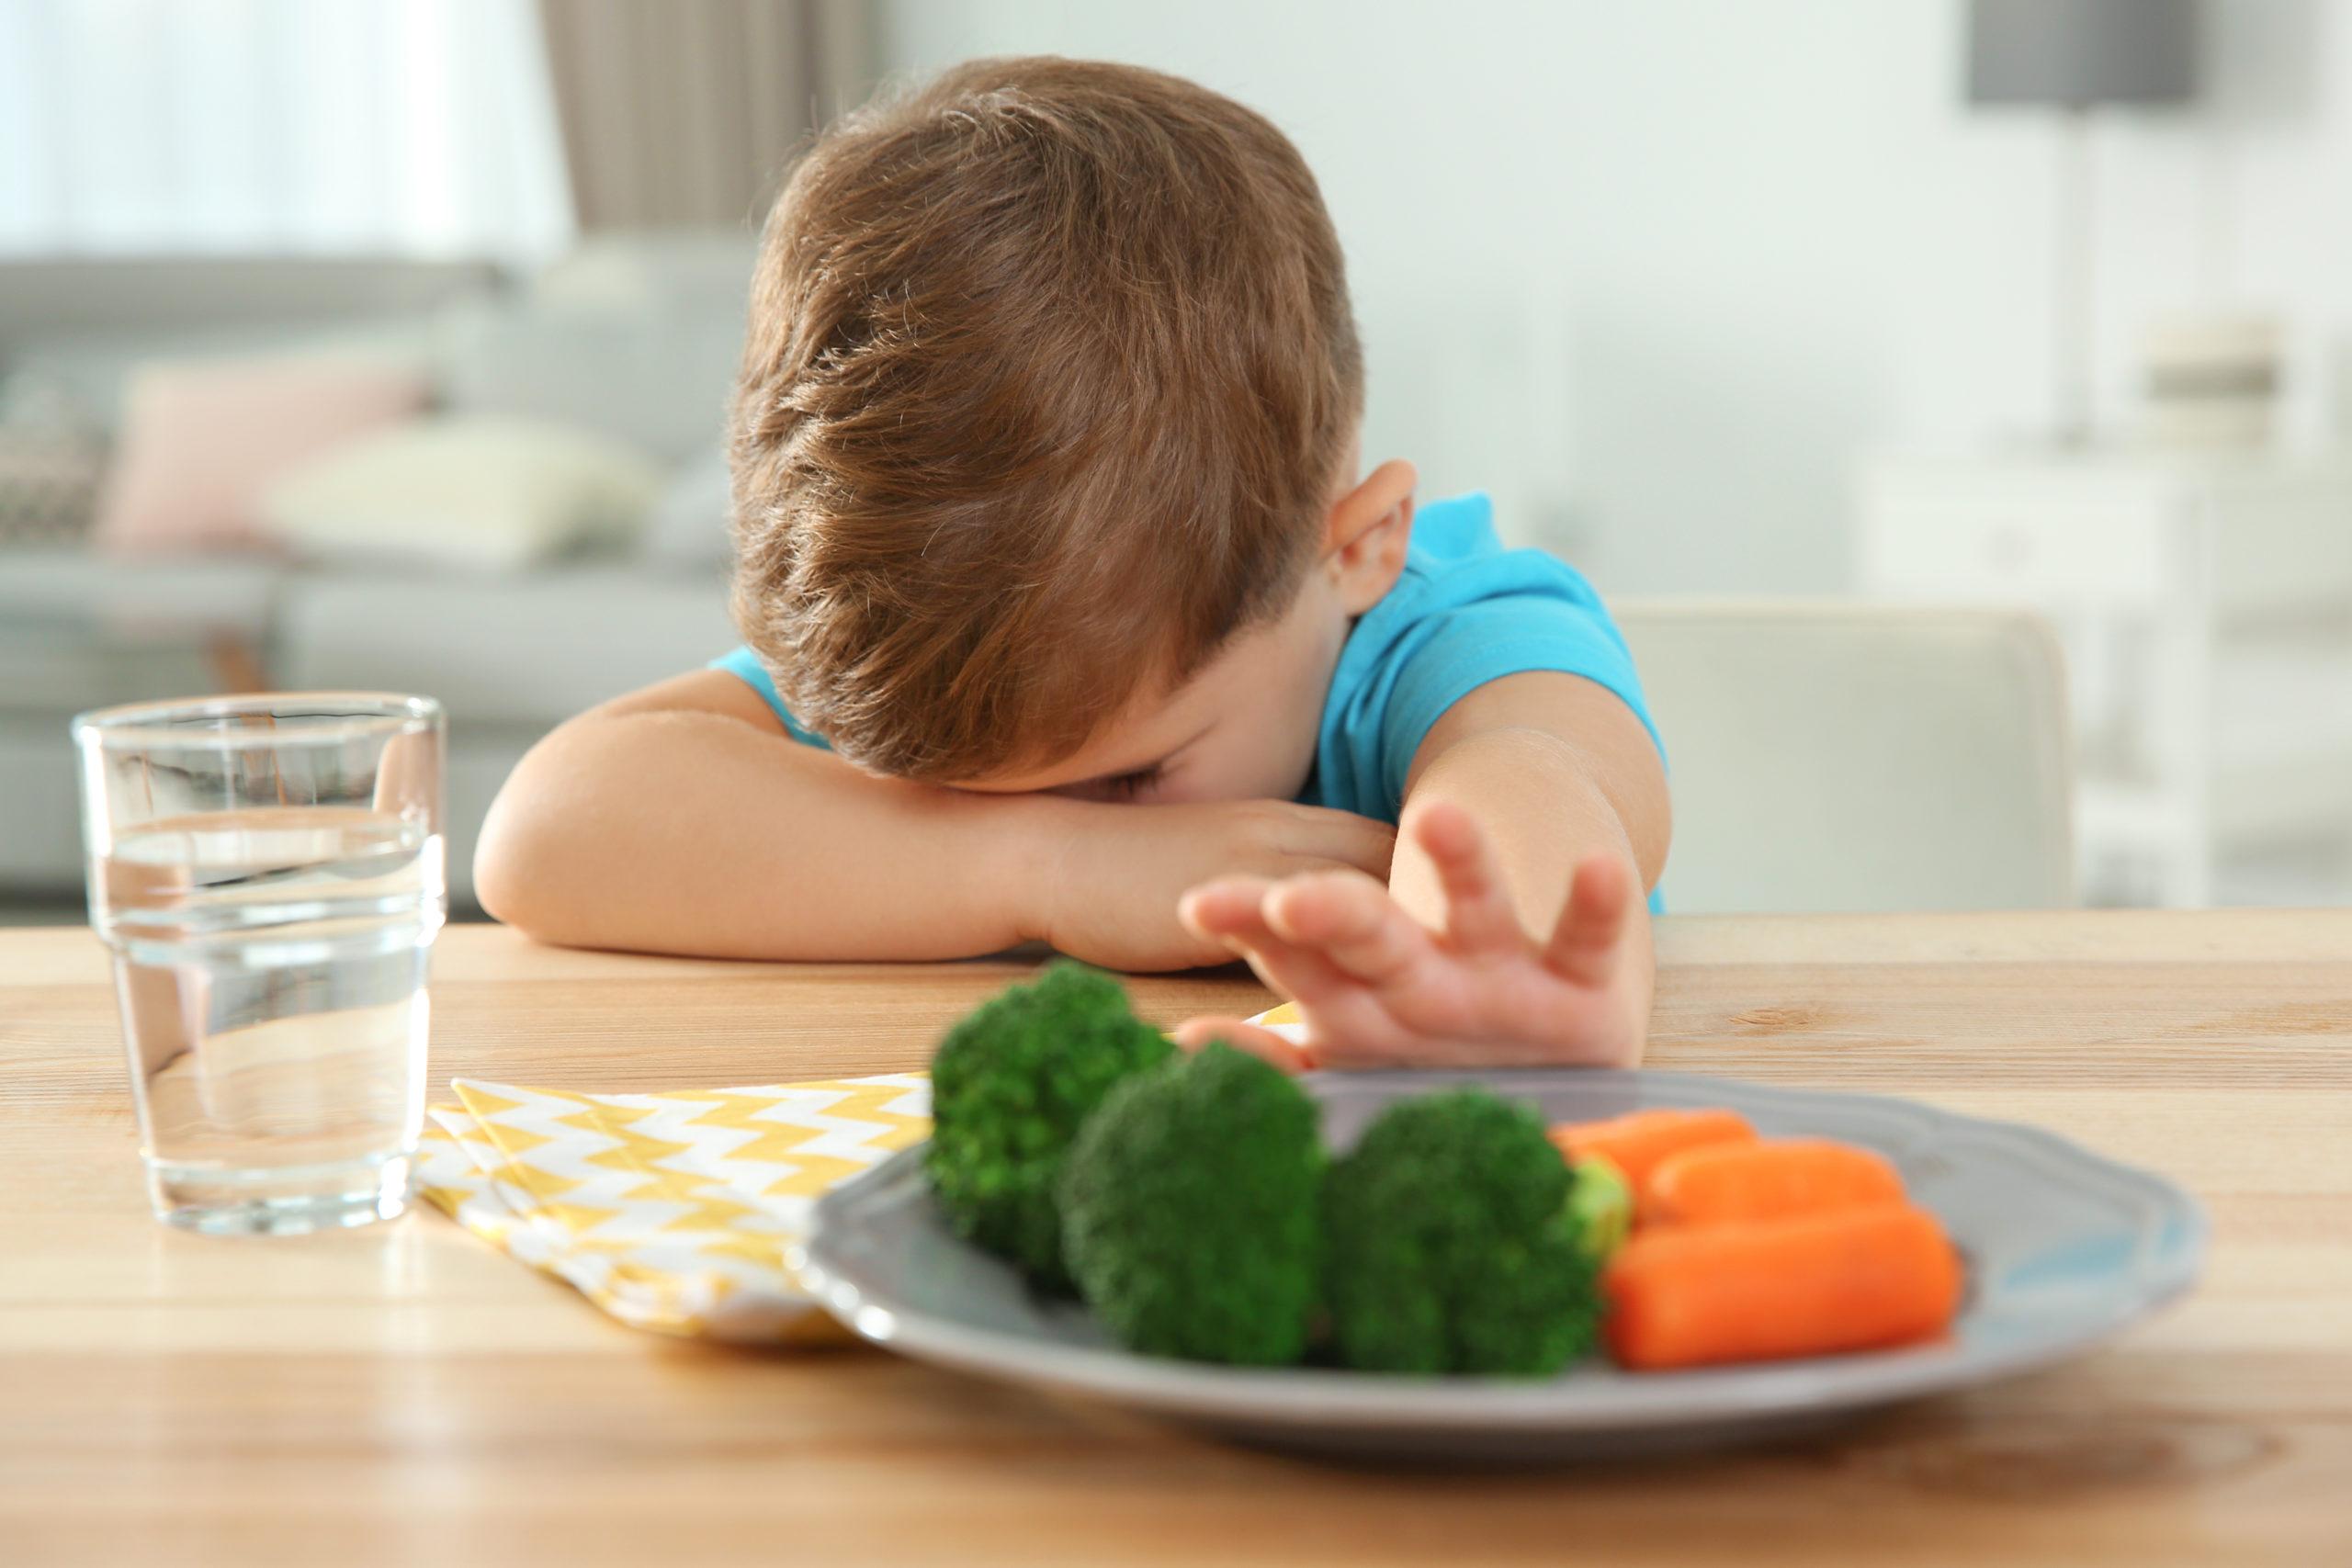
518	861
501	873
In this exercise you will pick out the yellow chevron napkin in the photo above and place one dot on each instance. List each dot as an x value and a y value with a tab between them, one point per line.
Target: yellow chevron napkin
1287	1020
671	1211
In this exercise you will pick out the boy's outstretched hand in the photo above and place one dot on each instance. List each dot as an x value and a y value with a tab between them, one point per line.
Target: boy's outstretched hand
1378	988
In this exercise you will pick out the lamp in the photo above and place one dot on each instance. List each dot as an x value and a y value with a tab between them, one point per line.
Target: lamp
2075	56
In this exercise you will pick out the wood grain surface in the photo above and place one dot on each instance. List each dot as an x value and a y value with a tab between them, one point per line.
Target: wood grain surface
407	1394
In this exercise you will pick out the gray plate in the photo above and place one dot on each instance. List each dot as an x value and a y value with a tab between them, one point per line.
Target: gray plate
2063	1248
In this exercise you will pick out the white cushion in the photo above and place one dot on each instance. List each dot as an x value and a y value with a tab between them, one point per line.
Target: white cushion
689	528
529	650
660	374
479	492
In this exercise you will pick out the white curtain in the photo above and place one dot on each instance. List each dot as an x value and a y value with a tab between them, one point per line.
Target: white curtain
375	127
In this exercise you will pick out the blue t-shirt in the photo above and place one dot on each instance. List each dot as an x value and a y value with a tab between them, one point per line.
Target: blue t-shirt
1465	611
745	666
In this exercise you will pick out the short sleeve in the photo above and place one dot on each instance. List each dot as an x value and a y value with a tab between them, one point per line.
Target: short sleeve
1464	611
1462	649
745	666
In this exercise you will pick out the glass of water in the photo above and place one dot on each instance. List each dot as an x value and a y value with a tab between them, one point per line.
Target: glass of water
267	872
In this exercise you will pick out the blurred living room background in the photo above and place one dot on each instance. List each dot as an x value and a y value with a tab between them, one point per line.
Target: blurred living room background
387	343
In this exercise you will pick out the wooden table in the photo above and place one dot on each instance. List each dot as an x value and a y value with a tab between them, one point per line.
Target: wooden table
407	1394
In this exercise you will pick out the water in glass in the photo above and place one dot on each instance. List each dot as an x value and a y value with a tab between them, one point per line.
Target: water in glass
270	963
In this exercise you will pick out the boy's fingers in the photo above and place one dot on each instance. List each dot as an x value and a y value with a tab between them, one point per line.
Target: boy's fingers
1478	913
1243	1035
1584	945
1216	909
1232	912
1352	921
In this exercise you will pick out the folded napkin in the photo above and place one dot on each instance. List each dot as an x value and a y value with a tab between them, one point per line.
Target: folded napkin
671	1211
1287	1020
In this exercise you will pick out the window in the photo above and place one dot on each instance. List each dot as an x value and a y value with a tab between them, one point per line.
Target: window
369	126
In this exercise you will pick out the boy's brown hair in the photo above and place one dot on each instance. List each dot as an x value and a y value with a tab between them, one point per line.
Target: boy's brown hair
1051	367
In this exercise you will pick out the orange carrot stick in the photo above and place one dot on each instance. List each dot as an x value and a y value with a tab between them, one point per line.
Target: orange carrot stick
1815	1285
1636	1142
1734	1183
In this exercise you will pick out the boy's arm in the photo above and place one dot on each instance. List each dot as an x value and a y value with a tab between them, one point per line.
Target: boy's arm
1513	927
683	819
1556	769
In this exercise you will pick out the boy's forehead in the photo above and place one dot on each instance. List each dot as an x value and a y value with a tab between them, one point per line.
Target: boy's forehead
1158	721
1148	732
1154	726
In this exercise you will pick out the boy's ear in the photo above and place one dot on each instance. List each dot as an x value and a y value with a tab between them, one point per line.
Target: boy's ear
1365	534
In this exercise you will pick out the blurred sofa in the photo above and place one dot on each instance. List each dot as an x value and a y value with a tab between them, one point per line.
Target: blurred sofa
631	338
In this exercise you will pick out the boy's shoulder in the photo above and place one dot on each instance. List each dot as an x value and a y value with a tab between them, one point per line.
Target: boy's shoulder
1466	611
1457	558
1457	527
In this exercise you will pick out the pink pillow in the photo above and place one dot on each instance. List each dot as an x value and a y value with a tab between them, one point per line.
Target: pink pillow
200	441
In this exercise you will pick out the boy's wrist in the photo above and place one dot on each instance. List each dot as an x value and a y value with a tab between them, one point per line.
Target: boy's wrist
1030	839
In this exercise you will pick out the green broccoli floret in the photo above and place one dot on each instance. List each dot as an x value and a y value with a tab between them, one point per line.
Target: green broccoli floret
1451	1246
1601	1201
1010	1086
1189	1210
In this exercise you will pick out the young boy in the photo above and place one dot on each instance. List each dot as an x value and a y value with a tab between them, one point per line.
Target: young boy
1071	613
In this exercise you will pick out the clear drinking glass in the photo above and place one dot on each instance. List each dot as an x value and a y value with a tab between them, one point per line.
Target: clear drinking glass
268	871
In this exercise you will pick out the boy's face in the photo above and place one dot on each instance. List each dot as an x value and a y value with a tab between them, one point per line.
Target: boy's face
1245	726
